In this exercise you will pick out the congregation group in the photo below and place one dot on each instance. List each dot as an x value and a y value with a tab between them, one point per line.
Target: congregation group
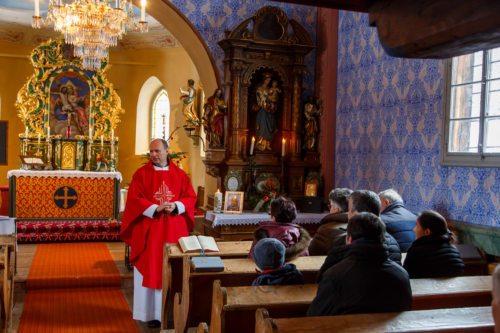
363	238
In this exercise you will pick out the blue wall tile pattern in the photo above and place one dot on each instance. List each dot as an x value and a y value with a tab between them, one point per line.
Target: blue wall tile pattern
211	18
389	124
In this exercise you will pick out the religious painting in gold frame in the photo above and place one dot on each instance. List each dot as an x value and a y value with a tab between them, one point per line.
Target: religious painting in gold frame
233	202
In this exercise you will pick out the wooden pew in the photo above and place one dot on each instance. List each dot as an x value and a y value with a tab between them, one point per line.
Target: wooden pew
232	306
472	319
193	304
172	271
7	264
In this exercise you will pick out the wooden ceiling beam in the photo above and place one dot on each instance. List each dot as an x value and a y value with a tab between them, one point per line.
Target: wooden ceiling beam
427	28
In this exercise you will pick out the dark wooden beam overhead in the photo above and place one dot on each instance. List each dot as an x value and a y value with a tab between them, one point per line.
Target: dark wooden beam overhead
428	28
352	5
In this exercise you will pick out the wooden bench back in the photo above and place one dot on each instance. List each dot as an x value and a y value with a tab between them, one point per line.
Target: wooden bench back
172	271
232	306
237	272
472	319
7	267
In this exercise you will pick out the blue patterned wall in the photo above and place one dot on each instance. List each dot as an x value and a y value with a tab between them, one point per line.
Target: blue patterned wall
389	119
212	17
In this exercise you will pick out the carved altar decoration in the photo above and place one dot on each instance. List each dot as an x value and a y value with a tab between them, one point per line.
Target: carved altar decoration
69	113
263	82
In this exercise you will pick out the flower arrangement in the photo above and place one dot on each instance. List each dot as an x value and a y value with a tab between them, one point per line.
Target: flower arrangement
177	157
264	203
266	189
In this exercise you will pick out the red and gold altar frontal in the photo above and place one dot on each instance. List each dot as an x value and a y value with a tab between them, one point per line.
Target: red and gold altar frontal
64	194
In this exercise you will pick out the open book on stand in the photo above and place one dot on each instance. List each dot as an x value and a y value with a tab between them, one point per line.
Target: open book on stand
198	244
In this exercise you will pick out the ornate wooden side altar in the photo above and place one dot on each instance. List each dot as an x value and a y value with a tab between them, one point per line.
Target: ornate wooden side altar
269	144
240	227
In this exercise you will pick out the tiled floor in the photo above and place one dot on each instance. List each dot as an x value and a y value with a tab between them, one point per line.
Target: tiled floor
25	255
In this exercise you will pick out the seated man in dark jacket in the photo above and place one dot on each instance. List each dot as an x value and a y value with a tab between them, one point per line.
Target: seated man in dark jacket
399	221
360	201
333	226
366	280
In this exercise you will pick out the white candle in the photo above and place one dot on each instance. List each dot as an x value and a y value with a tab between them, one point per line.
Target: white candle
26	132
218	201
112	135
90	133
37	7
102	140
143	10
283	143
252	145
48	133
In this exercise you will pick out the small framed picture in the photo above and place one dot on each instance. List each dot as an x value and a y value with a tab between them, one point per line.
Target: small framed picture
233	202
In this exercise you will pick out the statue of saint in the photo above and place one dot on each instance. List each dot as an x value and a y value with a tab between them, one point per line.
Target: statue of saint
213	118
312	111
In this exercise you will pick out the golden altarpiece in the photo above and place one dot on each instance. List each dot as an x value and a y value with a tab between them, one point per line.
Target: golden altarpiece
68	149
263	149
69	113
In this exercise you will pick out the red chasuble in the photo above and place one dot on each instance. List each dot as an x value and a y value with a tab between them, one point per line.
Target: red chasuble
146	236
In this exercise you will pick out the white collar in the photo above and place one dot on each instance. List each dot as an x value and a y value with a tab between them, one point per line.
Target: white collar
159	168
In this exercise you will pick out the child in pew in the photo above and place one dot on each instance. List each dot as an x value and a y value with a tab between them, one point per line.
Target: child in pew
295	238
495	301
269	256
432	255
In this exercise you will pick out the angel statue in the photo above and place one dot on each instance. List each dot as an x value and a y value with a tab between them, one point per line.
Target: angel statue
188	98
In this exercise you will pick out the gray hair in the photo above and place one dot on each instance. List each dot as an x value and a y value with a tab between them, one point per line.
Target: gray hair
496	283
391	195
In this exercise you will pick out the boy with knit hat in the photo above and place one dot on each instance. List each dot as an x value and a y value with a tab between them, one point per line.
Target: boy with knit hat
269	256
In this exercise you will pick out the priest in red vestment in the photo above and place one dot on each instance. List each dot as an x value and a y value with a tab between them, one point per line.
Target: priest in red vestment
159	210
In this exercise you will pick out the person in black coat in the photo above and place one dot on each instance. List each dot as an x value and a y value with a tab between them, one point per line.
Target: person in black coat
269	256
399	221
359	201
334	225
432	255
366	280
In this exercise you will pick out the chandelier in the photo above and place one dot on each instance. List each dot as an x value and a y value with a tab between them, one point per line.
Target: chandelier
91	26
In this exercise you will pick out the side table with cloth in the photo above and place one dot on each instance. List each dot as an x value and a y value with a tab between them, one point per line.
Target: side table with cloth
237	227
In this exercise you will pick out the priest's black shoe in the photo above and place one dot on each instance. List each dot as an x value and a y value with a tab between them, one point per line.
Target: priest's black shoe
153	323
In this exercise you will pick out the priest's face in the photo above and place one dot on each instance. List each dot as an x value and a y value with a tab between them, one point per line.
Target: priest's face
158	153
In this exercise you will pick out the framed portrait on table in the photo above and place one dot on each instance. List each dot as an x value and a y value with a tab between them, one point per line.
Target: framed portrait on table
233	202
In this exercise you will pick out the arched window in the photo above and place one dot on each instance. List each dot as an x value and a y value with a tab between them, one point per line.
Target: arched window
160	115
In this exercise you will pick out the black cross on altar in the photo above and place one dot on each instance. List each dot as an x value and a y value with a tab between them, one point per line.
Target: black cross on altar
65	197
163	194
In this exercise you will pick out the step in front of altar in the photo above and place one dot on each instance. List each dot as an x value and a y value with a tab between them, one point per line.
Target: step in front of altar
36	231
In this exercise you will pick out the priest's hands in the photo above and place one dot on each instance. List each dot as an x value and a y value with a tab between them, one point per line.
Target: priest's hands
166	208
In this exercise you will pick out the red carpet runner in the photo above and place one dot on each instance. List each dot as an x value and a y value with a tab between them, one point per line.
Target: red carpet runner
75	287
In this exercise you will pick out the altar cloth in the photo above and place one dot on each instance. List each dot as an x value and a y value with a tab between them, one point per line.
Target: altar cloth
254	218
